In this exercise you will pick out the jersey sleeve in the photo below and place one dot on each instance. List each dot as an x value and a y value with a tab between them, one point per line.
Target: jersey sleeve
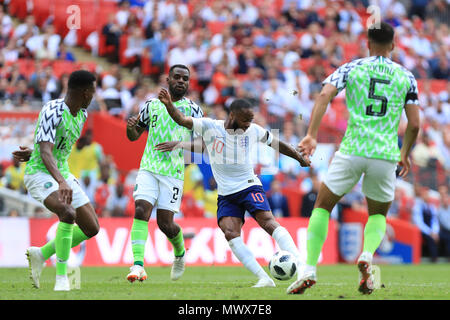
339	77
412	96
144	115
50	118
196	111
264	136
202	125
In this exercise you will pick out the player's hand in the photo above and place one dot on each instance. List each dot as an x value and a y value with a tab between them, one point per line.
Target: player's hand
132	122
164	97
65	193
168	146
405	163
22	155
304	160
307	146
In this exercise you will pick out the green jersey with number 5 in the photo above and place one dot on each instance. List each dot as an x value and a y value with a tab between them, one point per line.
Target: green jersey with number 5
162	128
377	90
56	125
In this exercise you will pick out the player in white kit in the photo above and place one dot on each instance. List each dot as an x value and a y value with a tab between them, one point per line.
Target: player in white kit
230	143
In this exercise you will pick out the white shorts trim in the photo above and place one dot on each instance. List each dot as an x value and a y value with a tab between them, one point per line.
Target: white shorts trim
378	181
163	192
40	185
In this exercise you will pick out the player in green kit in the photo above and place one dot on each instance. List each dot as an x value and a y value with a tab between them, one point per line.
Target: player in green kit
377	92
49	181
159	182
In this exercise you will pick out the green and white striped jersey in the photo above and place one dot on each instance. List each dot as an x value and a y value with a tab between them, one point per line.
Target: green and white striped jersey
377	89
162	128
56	125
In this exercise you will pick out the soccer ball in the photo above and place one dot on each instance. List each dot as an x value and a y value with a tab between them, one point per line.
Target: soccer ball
283	265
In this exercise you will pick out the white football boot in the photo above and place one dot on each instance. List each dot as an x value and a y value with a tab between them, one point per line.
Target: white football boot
62	283
264	282
137	272
305	281
35	264
177	268
366	284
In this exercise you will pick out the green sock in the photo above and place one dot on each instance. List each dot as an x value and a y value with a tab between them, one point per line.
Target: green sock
63	242
374	232
317	234
139	233
48	249
178	244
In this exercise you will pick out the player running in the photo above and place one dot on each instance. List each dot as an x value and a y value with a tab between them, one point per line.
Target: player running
378	90
230	143
159	182
49	181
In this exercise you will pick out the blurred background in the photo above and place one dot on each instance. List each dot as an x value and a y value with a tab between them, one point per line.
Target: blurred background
274	53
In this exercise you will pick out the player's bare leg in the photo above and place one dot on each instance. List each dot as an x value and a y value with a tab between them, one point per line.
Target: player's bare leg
139	234
231	228
267	221
174	233
373	235
317	234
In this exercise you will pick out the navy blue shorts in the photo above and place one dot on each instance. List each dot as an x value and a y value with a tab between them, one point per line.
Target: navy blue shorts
251	199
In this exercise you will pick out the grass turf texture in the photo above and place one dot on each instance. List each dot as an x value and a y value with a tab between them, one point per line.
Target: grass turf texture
401	282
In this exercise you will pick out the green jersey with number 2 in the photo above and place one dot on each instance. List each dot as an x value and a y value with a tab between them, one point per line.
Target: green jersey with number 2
154	116
377	90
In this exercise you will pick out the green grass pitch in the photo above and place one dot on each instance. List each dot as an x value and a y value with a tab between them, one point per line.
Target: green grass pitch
400	282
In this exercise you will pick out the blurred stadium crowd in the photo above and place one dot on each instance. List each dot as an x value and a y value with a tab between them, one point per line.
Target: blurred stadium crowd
274	53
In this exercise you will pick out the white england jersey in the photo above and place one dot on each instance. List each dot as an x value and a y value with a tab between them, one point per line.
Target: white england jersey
230	154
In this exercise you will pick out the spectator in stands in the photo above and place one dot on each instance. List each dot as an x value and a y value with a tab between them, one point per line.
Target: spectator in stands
309	198
13	213
210	199
276	98
5	21
444	219
10	52
312	41
39	213
353	200
438	10
134	48
117	201
14	175
277	200
425	217
88	184
394	209
112	31
64	54
29	25
102	190
21	95
158	47
442	70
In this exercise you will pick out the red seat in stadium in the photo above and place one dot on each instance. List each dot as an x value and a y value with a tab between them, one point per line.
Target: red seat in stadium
216	26
123	44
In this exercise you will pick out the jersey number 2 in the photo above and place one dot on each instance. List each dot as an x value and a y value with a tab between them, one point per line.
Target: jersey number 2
383	99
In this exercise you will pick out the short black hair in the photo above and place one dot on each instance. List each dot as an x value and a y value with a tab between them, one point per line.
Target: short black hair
240	104
179	66
80	79
381	33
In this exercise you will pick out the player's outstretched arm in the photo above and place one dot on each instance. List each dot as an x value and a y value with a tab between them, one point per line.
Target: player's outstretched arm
133	130
22	155
288	150
412	130
308	144
65	192
174	113
195	145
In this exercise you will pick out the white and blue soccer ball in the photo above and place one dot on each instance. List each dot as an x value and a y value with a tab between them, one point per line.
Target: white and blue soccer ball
283	265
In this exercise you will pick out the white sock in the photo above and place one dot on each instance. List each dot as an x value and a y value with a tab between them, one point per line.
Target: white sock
247	258
285	242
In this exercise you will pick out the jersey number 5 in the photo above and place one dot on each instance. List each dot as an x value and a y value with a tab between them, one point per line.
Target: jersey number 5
383	99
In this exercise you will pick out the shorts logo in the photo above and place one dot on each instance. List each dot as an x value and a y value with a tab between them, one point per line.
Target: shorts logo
135	187
48	185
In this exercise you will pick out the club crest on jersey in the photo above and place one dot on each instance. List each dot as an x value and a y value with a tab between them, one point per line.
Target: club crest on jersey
244	142
48	185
